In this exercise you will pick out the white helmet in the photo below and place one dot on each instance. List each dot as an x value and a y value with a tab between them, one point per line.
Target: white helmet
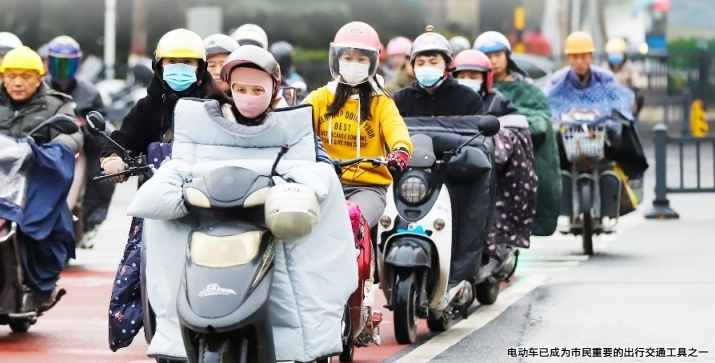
459	43
219	44
251	34
8	42
491	41
292	211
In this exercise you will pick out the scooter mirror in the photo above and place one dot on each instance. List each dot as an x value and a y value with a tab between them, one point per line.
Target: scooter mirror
489	125
95	123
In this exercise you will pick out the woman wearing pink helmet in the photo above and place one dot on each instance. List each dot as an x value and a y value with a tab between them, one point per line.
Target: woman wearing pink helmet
514	156
355	107
398	53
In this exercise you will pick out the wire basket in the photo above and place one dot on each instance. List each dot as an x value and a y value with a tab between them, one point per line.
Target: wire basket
584	142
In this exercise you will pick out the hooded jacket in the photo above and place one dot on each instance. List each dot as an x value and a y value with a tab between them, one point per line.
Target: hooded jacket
449	99
339	133
150	118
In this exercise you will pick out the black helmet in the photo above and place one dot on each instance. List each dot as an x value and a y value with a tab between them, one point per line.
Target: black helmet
283	53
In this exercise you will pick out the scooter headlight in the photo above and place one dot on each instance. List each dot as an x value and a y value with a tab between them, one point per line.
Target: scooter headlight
226	251
413	189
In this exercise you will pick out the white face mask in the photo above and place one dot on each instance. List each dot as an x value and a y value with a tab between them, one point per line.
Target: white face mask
354	73
471	83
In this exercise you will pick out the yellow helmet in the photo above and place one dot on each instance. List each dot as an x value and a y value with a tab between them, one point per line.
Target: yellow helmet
616	45
22	58
180	43
579	43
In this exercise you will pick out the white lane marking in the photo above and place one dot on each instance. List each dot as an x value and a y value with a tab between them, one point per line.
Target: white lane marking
435	346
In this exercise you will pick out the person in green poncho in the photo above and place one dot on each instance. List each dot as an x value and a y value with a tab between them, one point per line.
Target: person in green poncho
531	102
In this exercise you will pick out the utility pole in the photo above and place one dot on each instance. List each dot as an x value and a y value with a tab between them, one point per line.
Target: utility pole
575	15
139	25
110	37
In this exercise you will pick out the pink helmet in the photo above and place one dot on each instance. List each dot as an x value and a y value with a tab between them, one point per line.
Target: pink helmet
358	38
399	46
474	60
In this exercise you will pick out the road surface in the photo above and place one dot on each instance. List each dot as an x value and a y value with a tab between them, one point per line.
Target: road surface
651	285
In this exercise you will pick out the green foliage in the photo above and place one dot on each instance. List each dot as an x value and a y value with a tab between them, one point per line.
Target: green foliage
309	56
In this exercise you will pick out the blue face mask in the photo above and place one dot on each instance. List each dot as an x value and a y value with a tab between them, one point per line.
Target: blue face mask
615	59
179	76
429	77
471	83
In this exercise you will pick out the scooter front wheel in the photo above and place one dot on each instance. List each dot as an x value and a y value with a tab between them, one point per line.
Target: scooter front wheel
220	350
20	326
405	304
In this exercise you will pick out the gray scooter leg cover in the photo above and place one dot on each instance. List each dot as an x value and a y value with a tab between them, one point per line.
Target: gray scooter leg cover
165	243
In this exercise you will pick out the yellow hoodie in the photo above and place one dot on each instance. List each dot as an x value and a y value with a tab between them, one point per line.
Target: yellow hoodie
339	134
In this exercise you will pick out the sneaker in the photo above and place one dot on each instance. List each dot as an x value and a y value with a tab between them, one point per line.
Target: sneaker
368	299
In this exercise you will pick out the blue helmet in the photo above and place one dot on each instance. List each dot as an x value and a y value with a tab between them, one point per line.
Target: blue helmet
64	55
492	41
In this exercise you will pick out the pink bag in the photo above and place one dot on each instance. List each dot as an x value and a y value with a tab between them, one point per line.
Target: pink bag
355	219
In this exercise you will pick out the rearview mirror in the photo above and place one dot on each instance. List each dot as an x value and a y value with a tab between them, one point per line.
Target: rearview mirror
95	122
290	94
489	125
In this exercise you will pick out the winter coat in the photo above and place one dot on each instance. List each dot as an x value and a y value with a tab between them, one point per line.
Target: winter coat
17	120
400	80
85	97
305	304
627	74
449	99
530	102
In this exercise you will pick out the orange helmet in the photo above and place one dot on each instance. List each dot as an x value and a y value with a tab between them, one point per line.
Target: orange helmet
579	43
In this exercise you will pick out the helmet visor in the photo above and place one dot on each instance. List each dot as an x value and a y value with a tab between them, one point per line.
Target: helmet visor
63	69
356	55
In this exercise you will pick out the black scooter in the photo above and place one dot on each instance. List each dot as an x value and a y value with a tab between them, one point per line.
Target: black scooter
20	306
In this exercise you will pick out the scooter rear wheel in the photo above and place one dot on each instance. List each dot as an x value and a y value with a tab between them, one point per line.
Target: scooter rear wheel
405	304
214	350
20	326
487	291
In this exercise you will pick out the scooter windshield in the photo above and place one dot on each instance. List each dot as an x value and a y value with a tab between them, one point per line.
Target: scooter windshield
14	157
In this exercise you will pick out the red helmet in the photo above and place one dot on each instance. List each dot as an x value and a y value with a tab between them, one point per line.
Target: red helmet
474	60
359	37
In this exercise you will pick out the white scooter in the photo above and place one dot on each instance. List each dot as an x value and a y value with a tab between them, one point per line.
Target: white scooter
415	235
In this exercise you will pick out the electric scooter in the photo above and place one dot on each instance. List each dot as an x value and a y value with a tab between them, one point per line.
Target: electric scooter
415	233
355	316
20	306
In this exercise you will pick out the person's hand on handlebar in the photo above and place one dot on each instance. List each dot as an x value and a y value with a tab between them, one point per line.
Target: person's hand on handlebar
112	165
398	159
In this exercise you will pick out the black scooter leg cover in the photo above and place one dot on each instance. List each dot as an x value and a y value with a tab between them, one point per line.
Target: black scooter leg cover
470	211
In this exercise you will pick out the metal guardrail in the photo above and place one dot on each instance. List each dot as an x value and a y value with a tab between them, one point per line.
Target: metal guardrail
661	205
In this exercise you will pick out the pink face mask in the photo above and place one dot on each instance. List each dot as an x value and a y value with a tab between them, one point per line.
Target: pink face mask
248	104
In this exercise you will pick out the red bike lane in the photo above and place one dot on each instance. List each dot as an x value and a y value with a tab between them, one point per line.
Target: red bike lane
75	330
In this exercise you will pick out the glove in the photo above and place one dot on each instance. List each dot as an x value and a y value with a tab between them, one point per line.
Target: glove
113	165
398	159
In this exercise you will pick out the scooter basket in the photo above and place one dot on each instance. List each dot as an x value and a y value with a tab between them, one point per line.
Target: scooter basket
584	142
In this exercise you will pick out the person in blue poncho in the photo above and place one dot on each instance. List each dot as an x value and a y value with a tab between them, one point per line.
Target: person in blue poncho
584	86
